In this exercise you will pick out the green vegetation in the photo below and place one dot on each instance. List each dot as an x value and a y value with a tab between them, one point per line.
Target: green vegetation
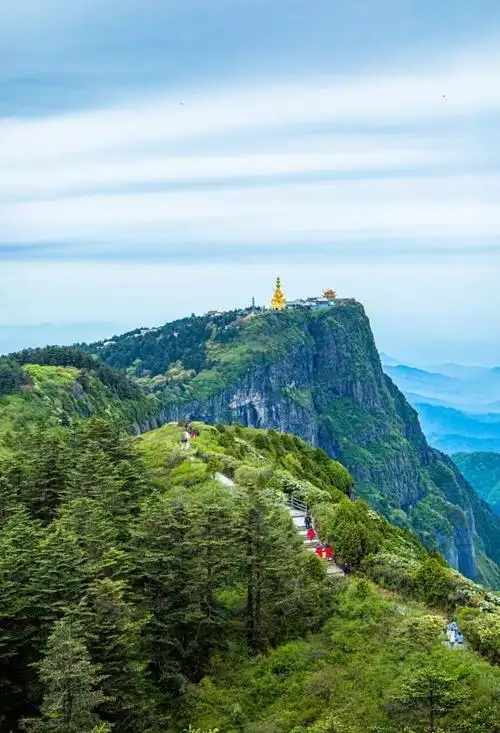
137	577
318	375
69	356
482	471
61	395
138	593
12	377
377	665
194	358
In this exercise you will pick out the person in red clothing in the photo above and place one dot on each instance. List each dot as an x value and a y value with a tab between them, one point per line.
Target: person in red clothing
311	533
319	551
328	552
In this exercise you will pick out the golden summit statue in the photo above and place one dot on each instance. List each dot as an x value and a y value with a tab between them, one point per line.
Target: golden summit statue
278	301
329	294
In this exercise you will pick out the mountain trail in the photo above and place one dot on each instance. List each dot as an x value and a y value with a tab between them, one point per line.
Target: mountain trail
298	515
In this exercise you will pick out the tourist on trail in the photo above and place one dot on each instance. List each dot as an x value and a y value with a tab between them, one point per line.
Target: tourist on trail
311	533
185	441
307	521
460	638
319	551
328	552
452	635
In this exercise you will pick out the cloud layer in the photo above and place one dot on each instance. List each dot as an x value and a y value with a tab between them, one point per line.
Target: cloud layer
346	144
266	163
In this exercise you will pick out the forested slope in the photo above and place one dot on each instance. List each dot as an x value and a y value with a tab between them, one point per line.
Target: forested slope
58	386
139	592
482	471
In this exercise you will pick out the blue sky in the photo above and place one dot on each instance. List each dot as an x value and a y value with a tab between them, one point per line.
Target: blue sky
160	158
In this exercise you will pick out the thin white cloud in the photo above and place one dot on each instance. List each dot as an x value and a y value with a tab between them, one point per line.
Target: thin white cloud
37	180
434	94
439	207
53	170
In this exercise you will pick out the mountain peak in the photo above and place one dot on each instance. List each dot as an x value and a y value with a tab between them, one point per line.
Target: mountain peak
314	372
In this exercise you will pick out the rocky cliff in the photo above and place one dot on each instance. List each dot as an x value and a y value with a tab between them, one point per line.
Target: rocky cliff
318	375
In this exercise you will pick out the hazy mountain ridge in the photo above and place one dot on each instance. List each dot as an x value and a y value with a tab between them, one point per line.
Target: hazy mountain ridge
459	406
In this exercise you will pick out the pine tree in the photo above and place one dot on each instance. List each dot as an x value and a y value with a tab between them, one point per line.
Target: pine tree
38	470
70	683
427	696
161	572
213	553
97	535
277	572
61	574
113	628
19	540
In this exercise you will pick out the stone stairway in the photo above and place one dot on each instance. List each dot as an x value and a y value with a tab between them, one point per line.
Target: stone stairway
298	514
298	517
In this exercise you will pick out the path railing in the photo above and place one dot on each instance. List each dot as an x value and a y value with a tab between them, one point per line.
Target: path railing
298	504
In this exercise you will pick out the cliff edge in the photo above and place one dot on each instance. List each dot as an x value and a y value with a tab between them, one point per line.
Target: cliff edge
317	374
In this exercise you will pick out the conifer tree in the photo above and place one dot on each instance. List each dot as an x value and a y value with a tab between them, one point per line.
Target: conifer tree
70	684
19	538
161	576
61	574
276	572
97	534
213	555
427	696
113	629
38	470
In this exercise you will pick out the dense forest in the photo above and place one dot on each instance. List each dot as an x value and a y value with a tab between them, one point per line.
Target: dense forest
152	351
12	376
116	594
139	593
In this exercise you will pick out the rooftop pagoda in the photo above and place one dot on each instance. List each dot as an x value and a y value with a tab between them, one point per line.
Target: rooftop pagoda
278	301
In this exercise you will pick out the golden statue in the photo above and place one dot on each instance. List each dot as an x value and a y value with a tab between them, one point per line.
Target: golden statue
278	301
330	294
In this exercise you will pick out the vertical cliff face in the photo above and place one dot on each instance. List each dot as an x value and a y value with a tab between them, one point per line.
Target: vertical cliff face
318	375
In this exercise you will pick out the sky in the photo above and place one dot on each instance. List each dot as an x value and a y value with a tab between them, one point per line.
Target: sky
161	158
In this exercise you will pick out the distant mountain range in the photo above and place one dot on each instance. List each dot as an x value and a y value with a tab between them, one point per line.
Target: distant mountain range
459	406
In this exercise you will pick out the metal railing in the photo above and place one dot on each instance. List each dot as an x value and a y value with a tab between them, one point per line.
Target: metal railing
298	504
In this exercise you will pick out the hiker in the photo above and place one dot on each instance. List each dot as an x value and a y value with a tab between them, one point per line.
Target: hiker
452	636
329	552
460	638
311	533
347	569
453	626
185	441
319	551
307	521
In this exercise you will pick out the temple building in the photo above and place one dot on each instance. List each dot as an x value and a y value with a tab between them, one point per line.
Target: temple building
329	294
278	301
326	300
